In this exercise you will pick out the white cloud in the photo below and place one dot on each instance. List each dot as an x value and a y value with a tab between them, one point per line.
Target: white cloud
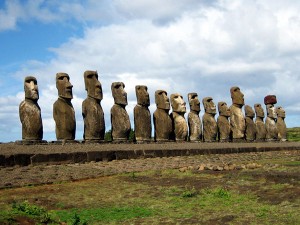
201	48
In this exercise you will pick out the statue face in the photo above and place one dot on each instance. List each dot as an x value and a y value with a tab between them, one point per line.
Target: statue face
237	96
64	86
178	105
223	109
271	112
162	100
259	111
280	112
92	85
194	102
118	93
142	95
31	88
249	111
209	105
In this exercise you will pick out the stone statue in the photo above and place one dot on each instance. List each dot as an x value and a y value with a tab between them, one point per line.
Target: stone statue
120	123
63	111
161	118
259	122
210	128
237	120
93	116
271	128
250	132
281	126
142	116
223	122
30	112
180	128
194	121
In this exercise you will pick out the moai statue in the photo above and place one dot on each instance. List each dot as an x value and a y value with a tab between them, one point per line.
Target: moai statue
179	125
281	126
259	122
142	116
250	131
161	118
93	115
271	128
120	122
30	112
237	119
194	121
210	128
223	122
63	111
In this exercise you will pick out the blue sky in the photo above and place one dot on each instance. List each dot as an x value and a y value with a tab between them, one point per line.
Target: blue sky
180	46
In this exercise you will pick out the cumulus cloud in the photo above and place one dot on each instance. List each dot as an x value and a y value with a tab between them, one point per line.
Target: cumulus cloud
191	46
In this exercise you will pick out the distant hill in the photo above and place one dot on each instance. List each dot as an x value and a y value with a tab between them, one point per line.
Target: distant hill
293	134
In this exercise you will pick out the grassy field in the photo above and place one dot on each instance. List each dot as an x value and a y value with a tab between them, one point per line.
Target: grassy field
293	134
266	195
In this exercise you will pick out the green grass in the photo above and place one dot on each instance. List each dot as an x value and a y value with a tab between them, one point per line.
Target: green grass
156	197
293	134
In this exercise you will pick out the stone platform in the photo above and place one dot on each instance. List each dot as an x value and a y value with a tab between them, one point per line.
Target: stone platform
12	154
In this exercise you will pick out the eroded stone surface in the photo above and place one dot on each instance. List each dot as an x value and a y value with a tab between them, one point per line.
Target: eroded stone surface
120	123
223	122
63	111
271	128
250	131
179	124
259	122
30	112
194	121
281	126
210	128
161	118
142	116
237	120
92	112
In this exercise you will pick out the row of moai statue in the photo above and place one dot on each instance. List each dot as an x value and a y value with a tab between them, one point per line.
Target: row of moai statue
231	124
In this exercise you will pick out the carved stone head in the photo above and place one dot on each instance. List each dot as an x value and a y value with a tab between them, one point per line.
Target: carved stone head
209	105
31	88
280	112
271	111
64	86
194	102
93	85
177	103
237	96
162	100
249	112
118	93
142	95
259	110
223	109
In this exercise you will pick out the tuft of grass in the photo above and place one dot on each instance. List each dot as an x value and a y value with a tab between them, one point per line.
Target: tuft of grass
189	193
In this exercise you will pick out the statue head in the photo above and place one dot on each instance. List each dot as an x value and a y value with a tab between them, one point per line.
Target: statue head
177	103
162	100
259	110
209	105
194	102
280	112
271	112
223	109
142	95
31	88
249	112
237	96
93	85
64	86
118	93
